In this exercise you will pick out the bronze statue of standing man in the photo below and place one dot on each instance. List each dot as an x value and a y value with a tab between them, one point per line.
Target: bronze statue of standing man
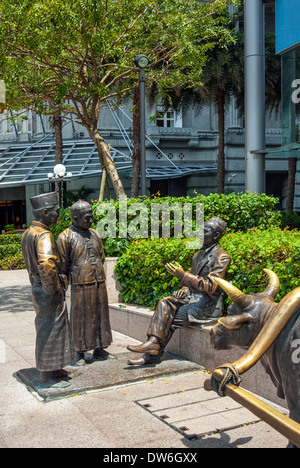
53	341
83	259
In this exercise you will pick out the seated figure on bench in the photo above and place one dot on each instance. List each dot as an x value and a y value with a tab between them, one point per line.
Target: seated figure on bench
199	301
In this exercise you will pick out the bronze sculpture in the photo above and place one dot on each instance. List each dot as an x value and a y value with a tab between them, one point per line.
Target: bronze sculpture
269	331
198	301
53	342
83	258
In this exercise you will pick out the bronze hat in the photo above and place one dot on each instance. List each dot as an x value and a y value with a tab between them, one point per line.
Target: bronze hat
45	200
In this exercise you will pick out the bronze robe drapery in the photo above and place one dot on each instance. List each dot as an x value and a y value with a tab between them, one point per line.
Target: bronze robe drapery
53	341
83	257
200	304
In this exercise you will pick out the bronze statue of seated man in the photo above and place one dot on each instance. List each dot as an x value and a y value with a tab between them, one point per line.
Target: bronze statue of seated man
198	301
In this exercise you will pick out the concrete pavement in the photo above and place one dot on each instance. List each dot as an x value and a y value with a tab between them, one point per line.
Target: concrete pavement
166	409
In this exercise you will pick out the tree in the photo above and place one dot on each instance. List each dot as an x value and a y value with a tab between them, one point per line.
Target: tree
214	80
69	57
222	79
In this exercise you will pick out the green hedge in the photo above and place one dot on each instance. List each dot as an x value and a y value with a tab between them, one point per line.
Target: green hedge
241	212
276	249
141	269
144	280
6	239
11	257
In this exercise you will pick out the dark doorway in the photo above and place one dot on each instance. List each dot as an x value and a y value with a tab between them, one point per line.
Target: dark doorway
276	185
169	187
12	212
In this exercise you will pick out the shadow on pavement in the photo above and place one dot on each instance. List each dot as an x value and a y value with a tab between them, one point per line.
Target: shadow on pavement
16	299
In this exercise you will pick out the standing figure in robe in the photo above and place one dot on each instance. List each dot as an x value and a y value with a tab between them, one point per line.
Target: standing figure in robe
83	259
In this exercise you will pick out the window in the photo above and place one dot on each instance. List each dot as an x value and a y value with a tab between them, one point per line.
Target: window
167	119
18	124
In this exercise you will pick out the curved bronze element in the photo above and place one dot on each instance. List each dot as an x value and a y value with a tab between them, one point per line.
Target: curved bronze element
235	294
274	284
281	423
234	322
268	334
244	300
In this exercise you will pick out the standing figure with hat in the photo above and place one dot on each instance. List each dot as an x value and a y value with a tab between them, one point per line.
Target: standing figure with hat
53	340
83	259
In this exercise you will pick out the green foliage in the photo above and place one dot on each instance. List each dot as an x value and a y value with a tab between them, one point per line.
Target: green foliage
290	221
11	257
241	213
144	279
9	227
10	239
64	221
83	50
276	249
14	262
141	269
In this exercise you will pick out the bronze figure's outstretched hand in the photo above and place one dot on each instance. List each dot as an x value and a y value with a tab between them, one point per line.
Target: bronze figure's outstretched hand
175	269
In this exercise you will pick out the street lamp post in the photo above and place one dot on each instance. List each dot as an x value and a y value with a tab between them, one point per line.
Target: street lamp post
59	177
141	61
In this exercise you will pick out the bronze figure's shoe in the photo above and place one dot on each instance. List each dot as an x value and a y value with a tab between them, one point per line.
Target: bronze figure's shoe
59	374
54	379
79	360
147	347
145	359
100	354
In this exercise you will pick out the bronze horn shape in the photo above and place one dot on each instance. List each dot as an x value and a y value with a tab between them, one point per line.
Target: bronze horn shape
274	284
237	296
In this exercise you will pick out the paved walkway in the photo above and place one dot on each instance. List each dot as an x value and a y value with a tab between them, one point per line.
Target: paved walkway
168	411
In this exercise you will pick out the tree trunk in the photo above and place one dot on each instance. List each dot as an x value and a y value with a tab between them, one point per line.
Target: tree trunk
136	160
221	149
291	185
57	127
107	162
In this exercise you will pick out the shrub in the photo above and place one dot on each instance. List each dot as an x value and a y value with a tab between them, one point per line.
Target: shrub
8	250
11	257
141	269
144	279
64	221
241	212
290	221
276	249
14	262
10	239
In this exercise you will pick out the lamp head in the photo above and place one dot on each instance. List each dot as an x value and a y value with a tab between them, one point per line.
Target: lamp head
141	61
59	170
